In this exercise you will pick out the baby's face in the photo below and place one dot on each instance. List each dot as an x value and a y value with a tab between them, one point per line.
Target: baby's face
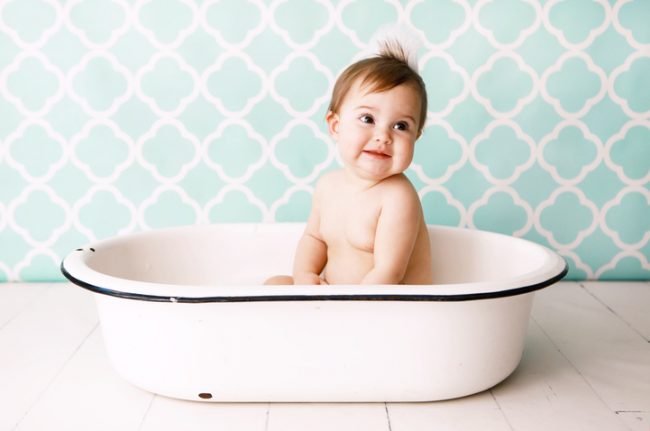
376	132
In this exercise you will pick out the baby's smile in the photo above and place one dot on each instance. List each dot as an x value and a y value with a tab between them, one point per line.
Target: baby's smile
377	154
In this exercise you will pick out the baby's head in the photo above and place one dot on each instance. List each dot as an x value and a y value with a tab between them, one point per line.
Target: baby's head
377	112
382	72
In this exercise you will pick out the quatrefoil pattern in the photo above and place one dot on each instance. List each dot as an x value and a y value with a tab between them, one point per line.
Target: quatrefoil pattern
117	116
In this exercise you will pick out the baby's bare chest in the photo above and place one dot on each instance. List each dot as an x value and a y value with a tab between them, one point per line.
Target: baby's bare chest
350	222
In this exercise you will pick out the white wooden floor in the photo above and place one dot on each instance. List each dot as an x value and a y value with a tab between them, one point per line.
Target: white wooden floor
586	367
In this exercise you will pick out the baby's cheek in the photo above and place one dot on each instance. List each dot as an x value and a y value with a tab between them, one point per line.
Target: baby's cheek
348	150
407	151
346	158
410	151
405	162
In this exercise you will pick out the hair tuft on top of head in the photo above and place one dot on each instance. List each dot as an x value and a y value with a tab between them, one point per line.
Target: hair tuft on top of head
399	42
391	62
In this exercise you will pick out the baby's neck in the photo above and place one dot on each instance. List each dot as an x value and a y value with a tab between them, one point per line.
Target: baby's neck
357	183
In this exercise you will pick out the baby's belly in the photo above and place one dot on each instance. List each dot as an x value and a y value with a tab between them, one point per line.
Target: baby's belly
347	265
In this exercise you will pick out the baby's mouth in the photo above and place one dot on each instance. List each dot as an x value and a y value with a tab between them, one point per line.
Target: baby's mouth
376	154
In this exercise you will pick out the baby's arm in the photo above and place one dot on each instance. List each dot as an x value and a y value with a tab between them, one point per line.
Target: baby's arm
311	254
397	230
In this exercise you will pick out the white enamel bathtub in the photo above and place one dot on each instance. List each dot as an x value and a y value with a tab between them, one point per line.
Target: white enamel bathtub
184	314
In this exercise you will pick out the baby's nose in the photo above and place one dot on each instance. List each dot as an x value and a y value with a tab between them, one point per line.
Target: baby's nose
382	136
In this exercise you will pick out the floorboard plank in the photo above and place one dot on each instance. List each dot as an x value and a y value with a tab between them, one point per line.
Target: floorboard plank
628	300
37	343
476	412
88	395
547	393
327	417
17	297
611	356
171	414
636	421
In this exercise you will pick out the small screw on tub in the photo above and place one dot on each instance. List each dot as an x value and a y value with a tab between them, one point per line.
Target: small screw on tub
205	395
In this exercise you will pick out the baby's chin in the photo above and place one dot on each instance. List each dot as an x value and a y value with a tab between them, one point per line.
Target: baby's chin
375	174
383	168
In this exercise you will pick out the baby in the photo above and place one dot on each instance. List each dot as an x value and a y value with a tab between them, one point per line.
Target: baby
366	224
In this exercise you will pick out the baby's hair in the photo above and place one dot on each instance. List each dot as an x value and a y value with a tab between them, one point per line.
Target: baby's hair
388	69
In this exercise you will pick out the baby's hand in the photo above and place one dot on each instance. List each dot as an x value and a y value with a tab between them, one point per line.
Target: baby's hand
308	278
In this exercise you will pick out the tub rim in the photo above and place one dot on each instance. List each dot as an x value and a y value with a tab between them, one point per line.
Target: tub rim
554	269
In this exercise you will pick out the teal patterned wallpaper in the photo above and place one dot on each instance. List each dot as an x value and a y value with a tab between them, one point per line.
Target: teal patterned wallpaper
117	116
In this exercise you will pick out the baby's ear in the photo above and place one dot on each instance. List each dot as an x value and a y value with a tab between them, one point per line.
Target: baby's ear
332	119
420	132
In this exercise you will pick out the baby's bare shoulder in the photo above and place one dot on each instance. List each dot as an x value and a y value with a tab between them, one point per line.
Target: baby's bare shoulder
327	181
329	177
400	203
399	187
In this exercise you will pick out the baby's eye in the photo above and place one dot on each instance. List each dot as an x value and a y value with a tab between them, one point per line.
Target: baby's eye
367	119
402	125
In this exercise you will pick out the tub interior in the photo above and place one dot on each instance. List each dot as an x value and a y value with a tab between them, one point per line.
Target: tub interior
247	255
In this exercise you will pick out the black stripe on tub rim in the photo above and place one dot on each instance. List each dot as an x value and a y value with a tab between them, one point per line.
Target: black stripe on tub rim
280	298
